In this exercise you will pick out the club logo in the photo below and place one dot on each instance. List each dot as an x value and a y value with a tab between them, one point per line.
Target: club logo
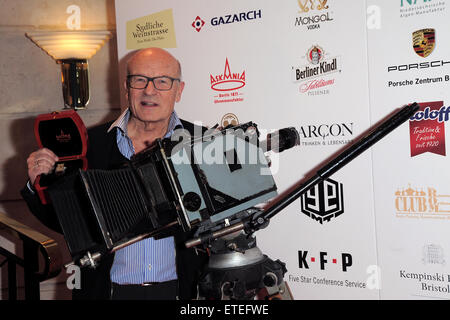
324	201
423	42
423	203
427	128
198	24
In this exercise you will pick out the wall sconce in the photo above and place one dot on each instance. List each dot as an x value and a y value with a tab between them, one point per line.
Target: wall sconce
72	49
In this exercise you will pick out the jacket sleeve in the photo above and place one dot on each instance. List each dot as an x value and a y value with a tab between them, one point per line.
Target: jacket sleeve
44	213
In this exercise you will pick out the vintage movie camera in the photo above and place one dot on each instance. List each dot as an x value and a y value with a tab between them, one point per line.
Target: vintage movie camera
196	184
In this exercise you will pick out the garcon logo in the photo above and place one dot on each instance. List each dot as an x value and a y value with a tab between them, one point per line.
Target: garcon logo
324	201
326	134
423	42
345	260
427	128
227	81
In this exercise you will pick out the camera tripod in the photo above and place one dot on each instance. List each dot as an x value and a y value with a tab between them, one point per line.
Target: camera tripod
237	269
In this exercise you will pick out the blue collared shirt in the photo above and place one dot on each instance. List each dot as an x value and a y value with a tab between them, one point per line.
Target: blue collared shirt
148	260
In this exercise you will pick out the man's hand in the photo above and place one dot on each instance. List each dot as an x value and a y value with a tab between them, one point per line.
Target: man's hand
39	162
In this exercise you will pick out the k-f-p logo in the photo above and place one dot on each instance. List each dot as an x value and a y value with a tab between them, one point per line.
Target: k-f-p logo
324	201
307	261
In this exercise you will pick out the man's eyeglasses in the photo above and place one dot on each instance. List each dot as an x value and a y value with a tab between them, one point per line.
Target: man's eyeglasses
163	83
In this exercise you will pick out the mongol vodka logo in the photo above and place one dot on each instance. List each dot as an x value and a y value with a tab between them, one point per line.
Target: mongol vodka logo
427	128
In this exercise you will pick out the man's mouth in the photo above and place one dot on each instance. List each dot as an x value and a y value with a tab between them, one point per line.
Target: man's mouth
148	104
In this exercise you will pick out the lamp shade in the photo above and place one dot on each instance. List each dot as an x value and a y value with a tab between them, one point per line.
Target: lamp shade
70	44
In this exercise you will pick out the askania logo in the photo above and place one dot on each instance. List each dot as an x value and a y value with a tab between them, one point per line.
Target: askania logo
326	134
423	202
246	16
414	8
314	13
427	128
311	74
228	84
324	201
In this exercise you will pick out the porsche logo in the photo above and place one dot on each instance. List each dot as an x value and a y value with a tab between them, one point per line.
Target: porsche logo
424	42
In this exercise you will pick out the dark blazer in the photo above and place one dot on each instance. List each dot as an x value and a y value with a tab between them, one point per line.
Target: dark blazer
103	153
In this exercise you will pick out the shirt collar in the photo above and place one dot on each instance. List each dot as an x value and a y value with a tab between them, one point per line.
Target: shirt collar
122	122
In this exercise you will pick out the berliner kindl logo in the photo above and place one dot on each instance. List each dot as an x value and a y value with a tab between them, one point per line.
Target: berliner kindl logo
315	55
324	201
424	42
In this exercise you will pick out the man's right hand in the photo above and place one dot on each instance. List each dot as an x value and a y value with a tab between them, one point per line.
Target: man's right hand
39	162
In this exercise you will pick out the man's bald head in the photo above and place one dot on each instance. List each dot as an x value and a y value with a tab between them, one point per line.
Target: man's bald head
154	54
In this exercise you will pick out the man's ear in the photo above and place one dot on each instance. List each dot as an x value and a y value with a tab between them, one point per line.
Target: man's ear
179	91
126	89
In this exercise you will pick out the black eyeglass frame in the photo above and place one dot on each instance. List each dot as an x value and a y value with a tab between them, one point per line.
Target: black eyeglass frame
150	79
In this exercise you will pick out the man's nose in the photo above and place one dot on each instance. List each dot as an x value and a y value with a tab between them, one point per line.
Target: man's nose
150	89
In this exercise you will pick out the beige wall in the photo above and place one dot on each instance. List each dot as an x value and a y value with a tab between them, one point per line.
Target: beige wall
30	85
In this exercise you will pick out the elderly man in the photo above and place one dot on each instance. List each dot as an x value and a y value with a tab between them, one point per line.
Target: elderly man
149	269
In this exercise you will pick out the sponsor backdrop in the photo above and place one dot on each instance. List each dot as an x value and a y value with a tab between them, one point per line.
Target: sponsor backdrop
331	69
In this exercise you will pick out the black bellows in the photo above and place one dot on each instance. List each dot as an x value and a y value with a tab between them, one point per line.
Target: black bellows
98	209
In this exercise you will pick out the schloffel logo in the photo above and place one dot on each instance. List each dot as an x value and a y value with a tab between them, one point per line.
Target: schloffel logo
324	201
312	21
421	203
306	261
427	128
228	83
310	75
326	134
198	23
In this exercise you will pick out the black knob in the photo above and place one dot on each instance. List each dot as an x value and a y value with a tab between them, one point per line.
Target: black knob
192	201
